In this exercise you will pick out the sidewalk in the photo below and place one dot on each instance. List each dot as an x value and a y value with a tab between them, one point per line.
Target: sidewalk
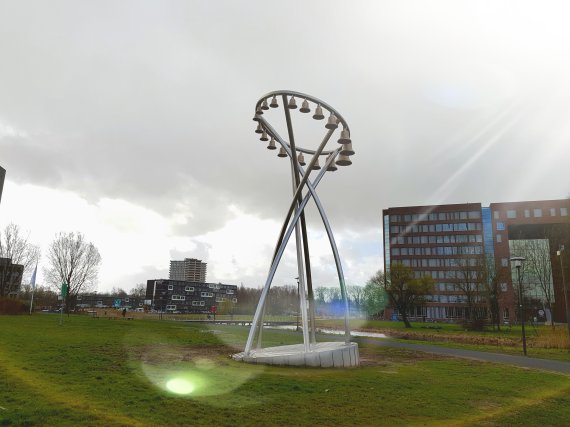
521	361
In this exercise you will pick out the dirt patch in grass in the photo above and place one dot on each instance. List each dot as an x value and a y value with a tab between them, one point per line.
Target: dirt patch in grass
165	353
385	356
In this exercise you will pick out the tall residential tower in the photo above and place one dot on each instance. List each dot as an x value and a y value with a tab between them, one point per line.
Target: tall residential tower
190	270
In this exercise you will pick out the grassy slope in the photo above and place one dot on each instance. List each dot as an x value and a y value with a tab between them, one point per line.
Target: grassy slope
101	372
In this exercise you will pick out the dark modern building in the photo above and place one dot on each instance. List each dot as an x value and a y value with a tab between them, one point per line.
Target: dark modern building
190	297
449	242
10	278
84	301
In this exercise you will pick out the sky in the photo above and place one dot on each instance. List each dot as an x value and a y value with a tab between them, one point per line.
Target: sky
131	122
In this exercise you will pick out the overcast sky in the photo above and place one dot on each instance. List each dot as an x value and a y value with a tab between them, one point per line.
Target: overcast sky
131	122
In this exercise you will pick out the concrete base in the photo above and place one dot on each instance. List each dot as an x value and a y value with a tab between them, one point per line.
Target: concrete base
323	355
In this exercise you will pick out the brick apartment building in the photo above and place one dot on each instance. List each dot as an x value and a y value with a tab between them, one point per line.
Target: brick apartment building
444	241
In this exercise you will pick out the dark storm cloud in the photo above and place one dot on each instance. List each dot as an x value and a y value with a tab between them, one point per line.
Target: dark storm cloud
152	101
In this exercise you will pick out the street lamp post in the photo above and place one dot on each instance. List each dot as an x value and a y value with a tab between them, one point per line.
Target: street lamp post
518	260
560	253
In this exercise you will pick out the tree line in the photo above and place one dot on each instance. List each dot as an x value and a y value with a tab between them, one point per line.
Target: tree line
71	261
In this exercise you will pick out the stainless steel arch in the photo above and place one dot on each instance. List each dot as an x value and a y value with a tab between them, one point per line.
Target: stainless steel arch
297	206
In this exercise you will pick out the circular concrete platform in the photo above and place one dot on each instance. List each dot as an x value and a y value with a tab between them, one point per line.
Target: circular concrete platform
323	354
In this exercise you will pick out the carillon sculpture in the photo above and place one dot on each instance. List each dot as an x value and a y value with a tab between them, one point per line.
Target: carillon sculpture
310	353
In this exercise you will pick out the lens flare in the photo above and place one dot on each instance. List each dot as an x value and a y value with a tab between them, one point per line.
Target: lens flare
180	386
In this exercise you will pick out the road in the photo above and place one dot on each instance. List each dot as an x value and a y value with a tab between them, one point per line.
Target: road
521	361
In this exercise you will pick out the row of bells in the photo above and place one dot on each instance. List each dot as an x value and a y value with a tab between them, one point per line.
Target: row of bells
342	160
332	122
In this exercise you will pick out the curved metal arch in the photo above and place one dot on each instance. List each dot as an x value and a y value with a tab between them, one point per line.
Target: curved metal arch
277	257
275	263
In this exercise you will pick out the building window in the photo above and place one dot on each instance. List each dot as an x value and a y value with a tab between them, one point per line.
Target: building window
500	226
504	262
229	291
511	213
496	214
178	297
207	294
170	287
171	307
503	287
537	213
563	211
527	213
506	314
499	238
189	289
552	211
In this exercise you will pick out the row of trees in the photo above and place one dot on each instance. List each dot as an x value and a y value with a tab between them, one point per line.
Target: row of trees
71	260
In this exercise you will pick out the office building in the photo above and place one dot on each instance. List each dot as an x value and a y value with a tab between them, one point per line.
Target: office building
190	269
450	243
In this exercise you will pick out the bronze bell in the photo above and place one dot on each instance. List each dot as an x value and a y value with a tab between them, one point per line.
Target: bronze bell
344	137
301	159
264	105
292	104
343	160
316	166
318	113
274	103
332	167
259	128
305	107
347	150
271	145
264	136
282	152
332	123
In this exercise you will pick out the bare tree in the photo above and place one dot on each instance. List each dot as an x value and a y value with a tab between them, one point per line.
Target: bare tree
538	268
404	289
17	250
491	287
469	273
356	296
375	296
138	291
74	261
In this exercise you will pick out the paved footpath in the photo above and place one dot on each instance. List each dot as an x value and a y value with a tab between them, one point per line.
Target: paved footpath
522	361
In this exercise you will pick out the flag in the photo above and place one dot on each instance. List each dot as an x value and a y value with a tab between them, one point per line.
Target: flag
33	279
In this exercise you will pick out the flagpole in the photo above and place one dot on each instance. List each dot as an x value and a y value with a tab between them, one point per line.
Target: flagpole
33	283
32	302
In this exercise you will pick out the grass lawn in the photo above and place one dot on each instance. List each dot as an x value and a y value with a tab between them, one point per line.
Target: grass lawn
101	372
